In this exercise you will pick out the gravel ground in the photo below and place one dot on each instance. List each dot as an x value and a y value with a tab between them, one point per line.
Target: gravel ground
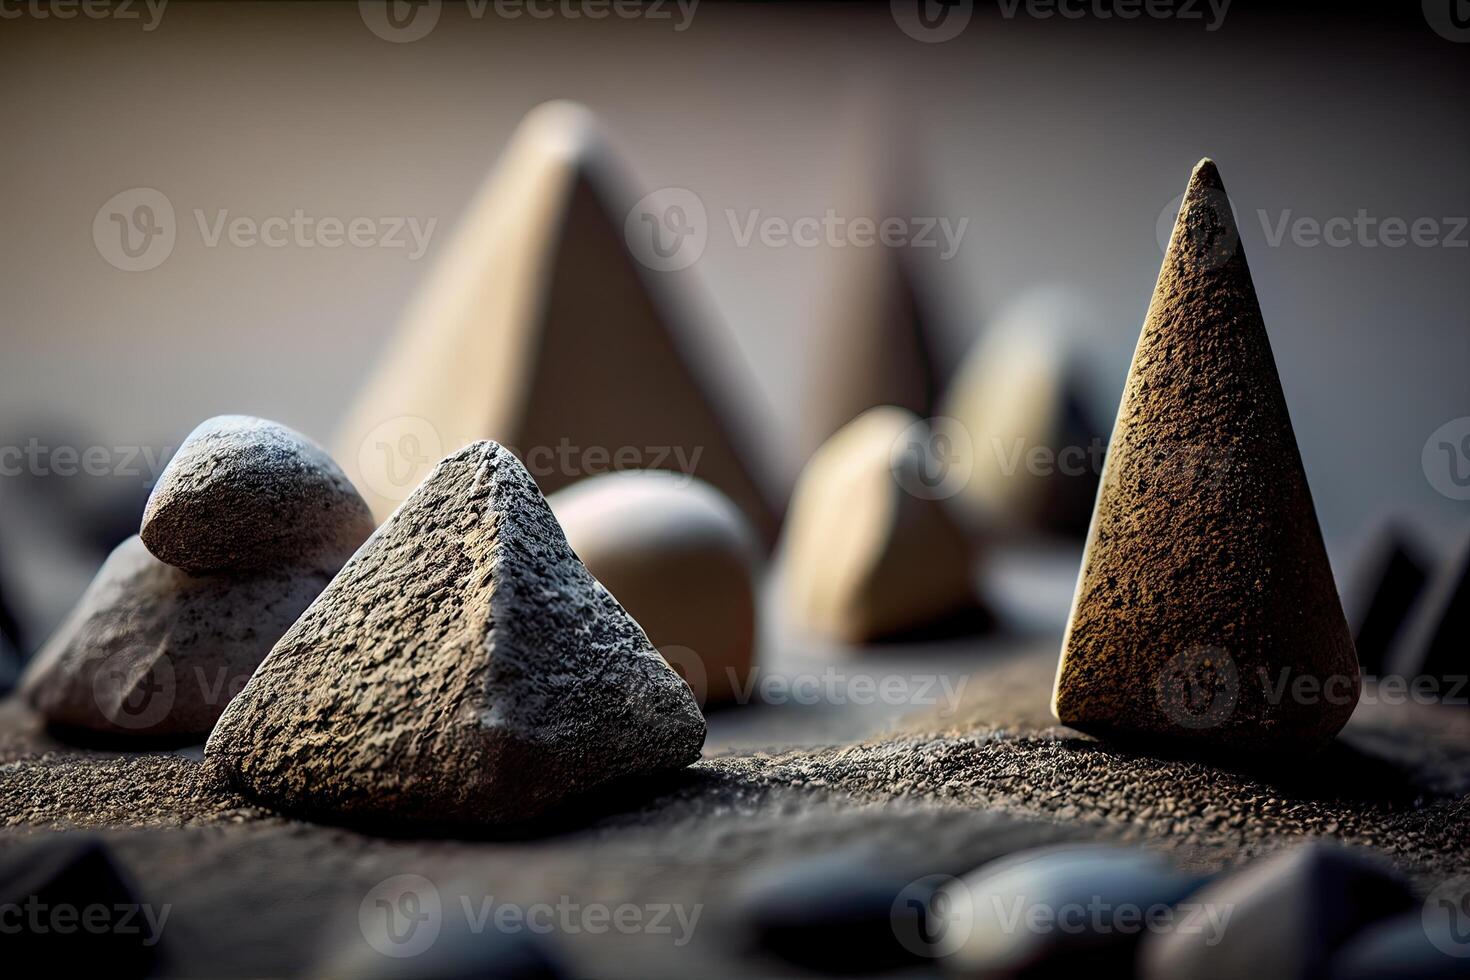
253	893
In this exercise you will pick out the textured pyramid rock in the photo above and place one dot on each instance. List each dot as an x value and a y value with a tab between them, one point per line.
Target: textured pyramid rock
151	650
243	493
1390	576
70	906
540	329
1435	643
682	559
1102	883
1205	613
1288	915
874	338
1025	396
157	646
869	552
462	670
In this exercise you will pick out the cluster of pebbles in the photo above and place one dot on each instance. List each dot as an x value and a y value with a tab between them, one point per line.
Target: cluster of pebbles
246	526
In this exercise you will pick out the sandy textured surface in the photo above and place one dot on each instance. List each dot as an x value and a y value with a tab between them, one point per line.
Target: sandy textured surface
254	893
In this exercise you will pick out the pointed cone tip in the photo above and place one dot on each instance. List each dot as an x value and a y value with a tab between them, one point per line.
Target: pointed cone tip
561	128
1206	174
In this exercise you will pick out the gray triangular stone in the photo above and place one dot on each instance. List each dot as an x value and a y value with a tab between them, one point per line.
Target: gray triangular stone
464	668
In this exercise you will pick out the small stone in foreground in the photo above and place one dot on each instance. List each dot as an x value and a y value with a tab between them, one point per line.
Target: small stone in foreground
1050	885
1407	947
151	650
1289	914
244	493
61	872
681	558
870	551
464	669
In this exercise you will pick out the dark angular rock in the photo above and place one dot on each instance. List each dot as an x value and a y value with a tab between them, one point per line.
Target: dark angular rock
1436	641
463	669
71	907
1060	911
1290	914
245	494
1205	583
1390	576
151	650
1404	948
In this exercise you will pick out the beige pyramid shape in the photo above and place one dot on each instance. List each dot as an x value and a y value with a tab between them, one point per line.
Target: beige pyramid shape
873	336
540	329
870	550
1206	612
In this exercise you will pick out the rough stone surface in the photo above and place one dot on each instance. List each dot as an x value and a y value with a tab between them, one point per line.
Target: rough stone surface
1435	641
1389	578
869	550
1289	914
151	650
1205	583
682	559
981	939
247	494
463	669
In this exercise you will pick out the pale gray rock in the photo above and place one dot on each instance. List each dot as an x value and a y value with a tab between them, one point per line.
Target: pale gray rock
151	650
1290	914
464	669
244	493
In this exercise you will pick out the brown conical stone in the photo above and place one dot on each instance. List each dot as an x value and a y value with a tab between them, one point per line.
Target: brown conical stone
463	669
1205	583
541	328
